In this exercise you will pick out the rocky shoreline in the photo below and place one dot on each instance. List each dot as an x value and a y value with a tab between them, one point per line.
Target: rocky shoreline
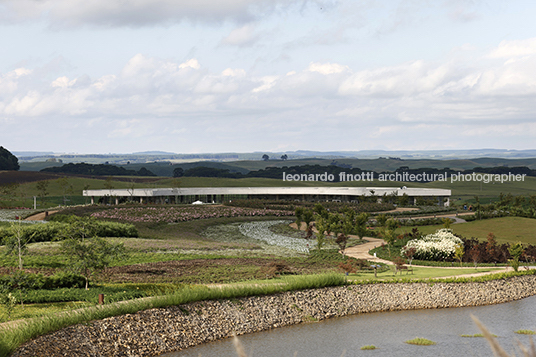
156	331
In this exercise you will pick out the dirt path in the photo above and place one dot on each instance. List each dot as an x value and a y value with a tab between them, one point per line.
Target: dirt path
39	216
361	251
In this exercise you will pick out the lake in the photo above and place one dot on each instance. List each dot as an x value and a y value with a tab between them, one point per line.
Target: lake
387	331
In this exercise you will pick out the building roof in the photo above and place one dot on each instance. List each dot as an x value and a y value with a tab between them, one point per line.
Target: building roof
332	191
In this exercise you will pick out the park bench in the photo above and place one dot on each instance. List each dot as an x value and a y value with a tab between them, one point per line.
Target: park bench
401	268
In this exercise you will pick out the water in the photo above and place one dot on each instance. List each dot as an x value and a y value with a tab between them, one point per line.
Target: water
387	331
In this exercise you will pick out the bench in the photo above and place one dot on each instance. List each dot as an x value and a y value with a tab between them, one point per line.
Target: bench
400	268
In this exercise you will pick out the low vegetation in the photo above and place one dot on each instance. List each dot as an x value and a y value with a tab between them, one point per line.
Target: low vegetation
525	332
12	337
368	347
420	342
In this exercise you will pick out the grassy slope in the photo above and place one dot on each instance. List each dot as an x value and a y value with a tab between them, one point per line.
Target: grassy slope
506	229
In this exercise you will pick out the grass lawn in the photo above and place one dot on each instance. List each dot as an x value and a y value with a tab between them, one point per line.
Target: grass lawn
419	273
41	309
35	310
506	229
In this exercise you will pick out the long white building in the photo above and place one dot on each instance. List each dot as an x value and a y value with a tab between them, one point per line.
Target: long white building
222	194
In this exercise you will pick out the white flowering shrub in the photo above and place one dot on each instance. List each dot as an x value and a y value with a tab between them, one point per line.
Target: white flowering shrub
437	246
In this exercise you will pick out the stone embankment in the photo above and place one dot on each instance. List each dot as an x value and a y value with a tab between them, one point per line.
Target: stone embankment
152	332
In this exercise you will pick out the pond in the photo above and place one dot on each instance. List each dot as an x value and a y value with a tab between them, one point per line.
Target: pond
387	331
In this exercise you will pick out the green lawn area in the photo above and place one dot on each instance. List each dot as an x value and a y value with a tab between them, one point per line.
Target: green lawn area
35	310
506	229
419	273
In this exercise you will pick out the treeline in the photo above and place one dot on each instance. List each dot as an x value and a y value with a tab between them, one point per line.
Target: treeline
404	172
8	161
366	205
97	170
492	252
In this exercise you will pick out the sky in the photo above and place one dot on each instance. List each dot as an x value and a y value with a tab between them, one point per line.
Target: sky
183	76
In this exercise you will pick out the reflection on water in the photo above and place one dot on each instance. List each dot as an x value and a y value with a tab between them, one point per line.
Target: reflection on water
387	331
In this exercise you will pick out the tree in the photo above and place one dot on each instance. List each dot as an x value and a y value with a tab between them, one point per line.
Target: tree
491	247
66	188
178	172
387	232
410	253
361	224
42	187
308	217
403	200
474	255
322	225
17	242
516	251
478	208
298	212
108	184
458	253
87	252
8	161
284	157
343	229
10	190
265	157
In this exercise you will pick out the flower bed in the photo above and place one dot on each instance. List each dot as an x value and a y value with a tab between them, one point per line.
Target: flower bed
181	214
440	245
261	231
10	215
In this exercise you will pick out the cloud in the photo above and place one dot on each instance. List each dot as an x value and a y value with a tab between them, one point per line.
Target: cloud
138	13
327	68
516	48
414	99
241	37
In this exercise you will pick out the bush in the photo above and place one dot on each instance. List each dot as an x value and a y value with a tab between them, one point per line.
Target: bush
48	232
440	245
81	294
38	281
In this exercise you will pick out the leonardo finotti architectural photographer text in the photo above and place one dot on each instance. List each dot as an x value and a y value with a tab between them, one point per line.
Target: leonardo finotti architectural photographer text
406	177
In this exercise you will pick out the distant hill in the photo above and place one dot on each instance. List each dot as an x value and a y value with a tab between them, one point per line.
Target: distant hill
153	153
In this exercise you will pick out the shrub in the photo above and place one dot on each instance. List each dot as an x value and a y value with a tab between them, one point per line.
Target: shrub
526	332
440	245
368	347
38	281
48	232
420	341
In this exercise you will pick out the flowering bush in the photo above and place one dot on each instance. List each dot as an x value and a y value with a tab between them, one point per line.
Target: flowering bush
440	245
181	214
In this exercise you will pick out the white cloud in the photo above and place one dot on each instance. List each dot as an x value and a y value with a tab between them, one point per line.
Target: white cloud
137	13
410	99
243	36
327	68
516	48
192	63
63	82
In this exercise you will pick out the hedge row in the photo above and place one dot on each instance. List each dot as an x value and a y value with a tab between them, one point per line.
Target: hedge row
51	231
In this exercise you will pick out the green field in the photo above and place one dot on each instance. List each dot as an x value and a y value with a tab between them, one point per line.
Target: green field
506	229
462	192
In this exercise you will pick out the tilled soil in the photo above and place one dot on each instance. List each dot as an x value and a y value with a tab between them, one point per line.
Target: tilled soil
192	271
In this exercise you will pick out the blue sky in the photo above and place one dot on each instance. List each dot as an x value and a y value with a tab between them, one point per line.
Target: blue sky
107	76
